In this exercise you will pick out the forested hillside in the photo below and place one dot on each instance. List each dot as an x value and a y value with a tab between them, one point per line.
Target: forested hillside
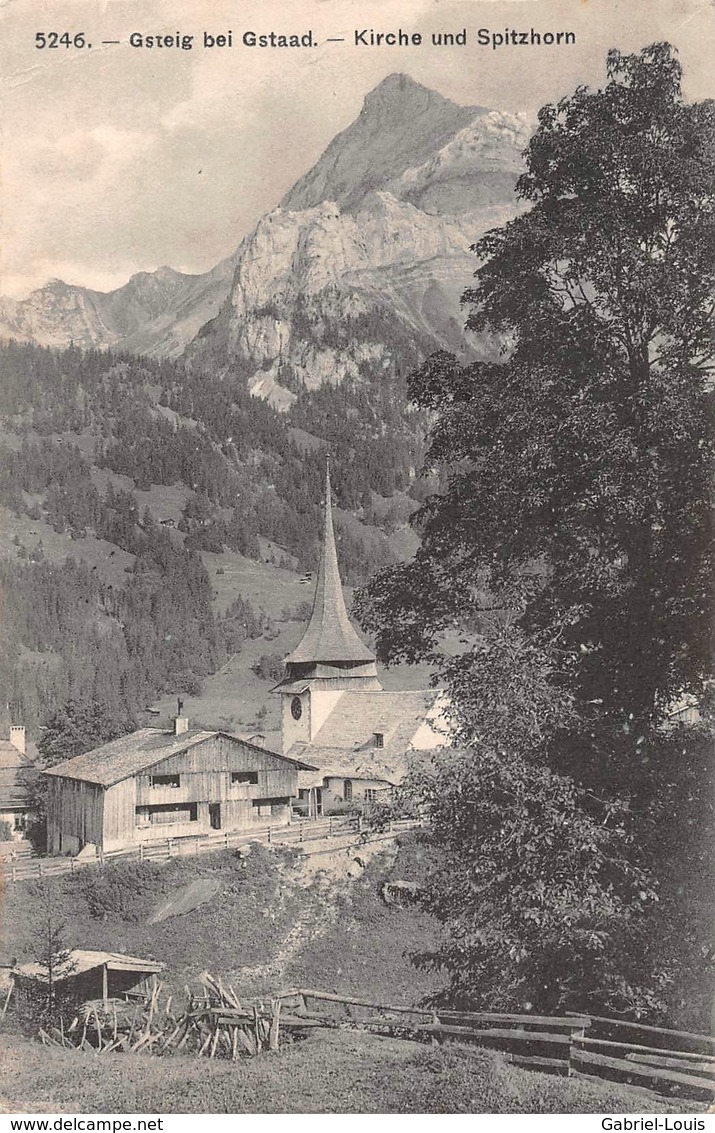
147	464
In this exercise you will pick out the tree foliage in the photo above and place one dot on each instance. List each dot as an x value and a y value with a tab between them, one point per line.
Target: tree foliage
535	883
578	463
563	582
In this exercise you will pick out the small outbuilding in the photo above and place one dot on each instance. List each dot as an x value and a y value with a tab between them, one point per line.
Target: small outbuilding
83	975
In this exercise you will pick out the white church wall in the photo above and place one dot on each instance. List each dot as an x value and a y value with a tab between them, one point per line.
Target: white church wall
435	730
322	703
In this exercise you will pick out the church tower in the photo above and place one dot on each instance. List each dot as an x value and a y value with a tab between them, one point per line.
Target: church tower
330	656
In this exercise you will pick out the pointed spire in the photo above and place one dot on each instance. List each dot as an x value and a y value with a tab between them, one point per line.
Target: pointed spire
329	637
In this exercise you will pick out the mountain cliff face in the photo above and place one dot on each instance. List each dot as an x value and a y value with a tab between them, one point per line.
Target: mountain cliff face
357	271
361	267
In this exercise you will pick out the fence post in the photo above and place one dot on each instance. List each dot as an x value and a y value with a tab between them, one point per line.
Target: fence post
196	850
14	873
225	838
39	868
141	851
574	1034
301	830
71	865
270	836
168	847
330	825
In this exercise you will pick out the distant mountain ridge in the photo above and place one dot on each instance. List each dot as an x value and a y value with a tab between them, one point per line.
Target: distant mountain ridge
153	313
380	228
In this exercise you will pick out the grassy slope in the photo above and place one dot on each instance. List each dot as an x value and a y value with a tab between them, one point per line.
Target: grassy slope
332	1072
269	927
346	939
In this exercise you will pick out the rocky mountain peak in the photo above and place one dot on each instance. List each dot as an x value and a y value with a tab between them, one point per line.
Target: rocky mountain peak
401	92
401	125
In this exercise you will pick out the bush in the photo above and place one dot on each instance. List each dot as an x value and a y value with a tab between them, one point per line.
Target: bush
5	831
123	890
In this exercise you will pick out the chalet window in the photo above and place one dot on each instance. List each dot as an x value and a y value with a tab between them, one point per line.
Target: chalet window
166	780
348	790
244	777
167	813
378	739
371	794
265	808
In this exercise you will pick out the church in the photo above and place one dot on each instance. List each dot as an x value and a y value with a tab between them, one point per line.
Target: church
335	714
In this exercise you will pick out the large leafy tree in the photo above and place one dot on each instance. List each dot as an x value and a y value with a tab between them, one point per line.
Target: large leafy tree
577	462
563	582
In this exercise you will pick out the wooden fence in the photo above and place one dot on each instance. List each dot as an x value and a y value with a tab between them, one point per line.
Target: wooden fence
573	1045
302	833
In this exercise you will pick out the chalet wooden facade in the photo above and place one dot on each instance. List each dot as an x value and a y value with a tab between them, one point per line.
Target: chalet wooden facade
152	785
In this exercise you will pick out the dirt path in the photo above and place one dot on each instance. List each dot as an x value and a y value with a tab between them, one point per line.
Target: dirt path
324	875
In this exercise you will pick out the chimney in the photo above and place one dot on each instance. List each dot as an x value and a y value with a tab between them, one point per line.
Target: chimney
181	725
17	737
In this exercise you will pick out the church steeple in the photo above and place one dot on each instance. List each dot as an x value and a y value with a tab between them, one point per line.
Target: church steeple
330	658
330	639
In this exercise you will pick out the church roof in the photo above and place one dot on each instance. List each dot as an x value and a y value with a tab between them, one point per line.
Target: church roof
345	745
329	636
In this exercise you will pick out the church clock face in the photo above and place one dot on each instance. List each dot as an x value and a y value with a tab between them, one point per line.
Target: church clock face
296	708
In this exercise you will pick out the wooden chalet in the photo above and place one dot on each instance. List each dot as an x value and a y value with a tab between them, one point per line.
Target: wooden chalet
153	785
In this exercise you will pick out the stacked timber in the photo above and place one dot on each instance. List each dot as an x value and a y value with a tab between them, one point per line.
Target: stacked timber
212	1023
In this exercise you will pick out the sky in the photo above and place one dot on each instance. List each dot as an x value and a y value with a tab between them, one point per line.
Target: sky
118	159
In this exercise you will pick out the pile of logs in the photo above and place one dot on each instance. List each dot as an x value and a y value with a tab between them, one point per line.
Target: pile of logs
212	1023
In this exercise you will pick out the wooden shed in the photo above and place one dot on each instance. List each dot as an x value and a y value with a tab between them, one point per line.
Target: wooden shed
152	785
83	975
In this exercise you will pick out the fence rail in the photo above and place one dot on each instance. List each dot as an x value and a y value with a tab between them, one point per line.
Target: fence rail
301	833
556	1044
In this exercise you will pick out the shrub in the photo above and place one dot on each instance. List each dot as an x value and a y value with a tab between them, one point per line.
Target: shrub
123	890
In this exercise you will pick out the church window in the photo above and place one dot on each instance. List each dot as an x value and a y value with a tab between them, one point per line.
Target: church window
296	708
348	790
378	739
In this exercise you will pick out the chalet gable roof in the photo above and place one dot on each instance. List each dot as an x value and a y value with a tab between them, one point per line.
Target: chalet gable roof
121	758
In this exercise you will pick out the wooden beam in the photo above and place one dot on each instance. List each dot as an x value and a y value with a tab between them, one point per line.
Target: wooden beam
349	1001
546	1037
105	984
684	1055
641	1071
707	1068
573	1023
653	1030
